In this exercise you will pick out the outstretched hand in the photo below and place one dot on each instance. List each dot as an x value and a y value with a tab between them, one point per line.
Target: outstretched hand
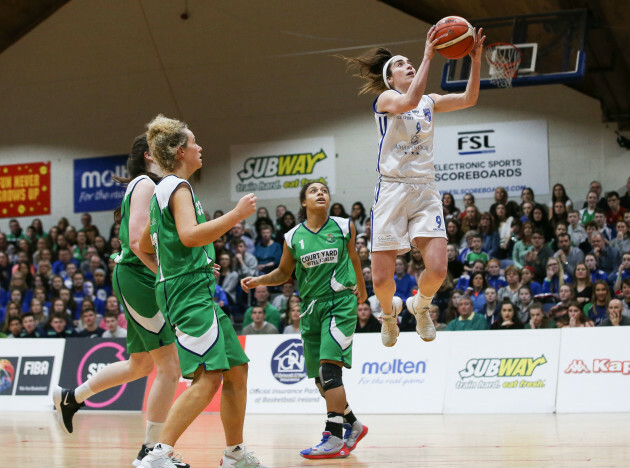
429	46
249	283
246	206
477	49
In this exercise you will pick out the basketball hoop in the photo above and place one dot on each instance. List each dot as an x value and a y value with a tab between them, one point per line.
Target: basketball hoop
504	60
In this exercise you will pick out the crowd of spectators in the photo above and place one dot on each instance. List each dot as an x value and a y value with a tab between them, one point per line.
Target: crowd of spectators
517	265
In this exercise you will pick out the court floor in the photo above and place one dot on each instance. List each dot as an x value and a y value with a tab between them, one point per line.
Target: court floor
113	439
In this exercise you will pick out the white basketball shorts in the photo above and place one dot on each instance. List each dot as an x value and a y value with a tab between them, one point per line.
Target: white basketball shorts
403	211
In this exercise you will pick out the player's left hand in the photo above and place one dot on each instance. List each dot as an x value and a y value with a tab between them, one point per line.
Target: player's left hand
216	270
475	53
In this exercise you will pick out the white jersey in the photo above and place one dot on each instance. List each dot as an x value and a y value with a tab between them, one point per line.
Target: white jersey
405	146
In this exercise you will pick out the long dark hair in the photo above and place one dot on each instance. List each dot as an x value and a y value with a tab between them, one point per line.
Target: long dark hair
302	211
369	67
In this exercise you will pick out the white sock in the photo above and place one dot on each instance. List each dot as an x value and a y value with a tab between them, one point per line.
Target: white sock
420	302
152	433
83	392
236	451
165	447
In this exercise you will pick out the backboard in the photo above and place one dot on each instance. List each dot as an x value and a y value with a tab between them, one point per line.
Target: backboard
551	45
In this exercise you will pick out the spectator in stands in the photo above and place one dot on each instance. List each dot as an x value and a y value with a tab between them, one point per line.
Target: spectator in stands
57	327
288	223
14	327
245	264
280	211
37	310
555	277
577	318
101	289
220	246
366	322
493	274
525	301
608	257
504	227
622	238
491	307
15	232
360	241
527	195
625	297
467	318
287	290
574	228
5	269
405	283
588	212
29	326
591	264
615	317
513	278
449	210
367	277
451	311
538	319
238	233
292	322
469	199
508	318
538	256
102	248
565	297
364	256
272	315
454	233
476	290
621	274
541	222
455	267
434	312
596	187
602	227
464	280
526	210
79	251
471	219
476	252
596	309
615	210
112	307
359	216
337	209
291	303
113	330
443	294
583	284
501	197
268	252
567	255
559	194
65	258
489	235
90	324
228	279
415	266
625	200
259	326
68	300
524	245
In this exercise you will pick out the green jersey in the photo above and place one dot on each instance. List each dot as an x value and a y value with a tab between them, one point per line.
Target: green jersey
174	258
323	265
126	255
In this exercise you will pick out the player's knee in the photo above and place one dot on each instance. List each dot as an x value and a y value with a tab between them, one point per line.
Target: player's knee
330	376
380	280
318	384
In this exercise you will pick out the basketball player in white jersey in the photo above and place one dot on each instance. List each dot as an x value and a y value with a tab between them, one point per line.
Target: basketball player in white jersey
407	206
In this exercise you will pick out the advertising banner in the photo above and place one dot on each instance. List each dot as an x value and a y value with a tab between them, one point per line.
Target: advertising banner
478	158
277	380
594	374
86	356
412	373
94	187
24	189
507	371
278	169
29	369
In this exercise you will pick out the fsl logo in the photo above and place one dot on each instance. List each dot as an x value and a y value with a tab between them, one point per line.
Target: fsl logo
505	367
287	362
475	142
281	165
606	366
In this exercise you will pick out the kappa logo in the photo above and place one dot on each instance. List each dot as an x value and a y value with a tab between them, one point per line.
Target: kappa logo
603	366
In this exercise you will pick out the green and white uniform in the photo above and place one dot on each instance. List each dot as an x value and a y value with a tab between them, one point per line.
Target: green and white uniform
185	290
326	281
134	286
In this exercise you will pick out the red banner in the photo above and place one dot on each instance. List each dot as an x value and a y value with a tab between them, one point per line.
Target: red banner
24	189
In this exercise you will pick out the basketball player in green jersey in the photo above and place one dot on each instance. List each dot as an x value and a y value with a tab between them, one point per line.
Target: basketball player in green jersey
150	341
209	350
321	250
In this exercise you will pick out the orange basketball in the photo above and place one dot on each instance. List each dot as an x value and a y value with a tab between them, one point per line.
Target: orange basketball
455	37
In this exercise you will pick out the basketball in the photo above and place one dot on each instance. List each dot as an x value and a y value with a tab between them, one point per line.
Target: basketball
455	37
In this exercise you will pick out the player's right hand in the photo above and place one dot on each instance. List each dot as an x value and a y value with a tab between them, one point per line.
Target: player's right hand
246	206
248	283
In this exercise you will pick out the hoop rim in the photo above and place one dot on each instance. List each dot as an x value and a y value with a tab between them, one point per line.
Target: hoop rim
502	44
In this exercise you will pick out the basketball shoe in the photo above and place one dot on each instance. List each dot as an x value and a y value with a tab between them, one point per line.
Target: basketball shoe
177	459
66	406
159	457
238	459
424	324
389	327
354	433
330	447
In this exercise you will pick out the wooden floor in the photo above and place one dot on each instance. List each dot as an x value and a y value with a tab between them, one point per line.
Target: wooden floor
113	439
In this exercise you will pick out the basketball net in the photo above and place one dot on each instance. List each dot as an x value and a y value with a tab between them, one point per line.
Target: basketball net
504	60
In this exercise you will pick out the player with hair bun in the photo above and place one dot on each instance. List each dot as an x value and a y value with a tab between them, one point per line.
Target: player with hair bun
407	207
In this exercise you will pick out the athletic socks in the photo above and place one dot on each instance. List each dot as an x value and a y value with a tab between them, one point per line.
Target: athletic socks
421	302
334	424
235	451
349	416
83	392
152	433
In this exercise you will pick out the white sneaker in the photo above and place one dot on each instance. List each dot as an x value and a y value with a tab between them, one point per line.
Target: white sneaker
424	324
159	457
248	460
389	327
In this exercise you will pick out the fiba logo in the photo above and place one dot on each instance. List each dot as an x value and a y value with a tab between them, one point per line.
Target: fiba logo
287	362
475	142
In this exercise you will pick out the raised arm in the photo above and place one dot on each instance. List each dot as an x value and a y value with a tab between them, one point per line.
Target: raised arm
193	234
278	276
456	101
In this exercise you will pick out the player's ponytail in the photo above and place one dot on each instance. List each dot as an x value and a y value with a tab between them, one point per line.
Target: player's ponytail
369	67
